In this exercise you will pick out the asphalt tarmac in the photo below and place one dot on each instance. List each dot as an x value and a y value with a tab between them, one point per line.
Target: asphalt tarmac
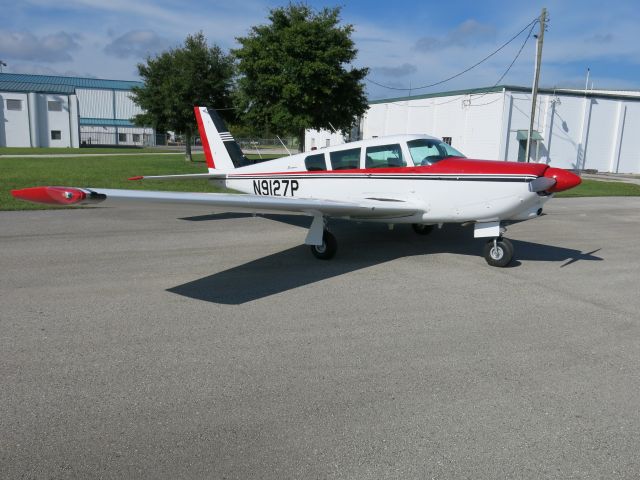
166	342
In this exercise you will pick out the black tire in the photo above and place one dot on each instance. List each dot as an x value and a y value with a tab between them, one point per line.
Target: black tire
500	256
328	249
421	228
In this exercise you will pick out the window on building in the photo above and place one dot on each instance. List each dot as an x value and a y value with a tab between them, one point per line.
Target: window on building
56	135
54	105
315	162
383	156
135	137
447	140
345	159
14	104
122	137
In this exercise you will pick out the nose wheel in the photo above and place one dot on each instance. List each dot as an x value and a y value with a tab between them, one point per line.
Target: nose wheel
498	252
327	249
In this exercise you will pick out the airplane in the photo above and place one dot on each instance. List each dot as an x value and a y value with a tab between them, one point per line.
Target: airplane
402	179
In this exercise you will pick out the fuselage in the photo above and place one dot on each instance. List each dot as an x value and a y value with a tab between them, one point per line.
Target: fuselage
416	169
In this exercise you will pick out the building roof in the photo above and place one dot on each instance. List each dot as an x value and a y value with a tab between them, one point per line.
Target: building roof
106	122
22	82
29	87
616	94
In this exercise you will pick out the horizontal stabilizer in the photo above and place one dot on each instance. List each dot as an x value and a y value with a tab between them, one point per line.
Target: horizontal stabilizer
188	176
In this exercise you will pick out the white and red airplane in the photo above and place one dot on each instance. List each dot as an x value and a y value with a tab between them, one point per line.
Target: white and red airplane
411	179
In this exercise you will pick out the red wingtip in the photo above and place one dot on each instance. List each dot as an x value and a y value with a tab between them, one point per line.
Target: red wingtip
50	195
139	177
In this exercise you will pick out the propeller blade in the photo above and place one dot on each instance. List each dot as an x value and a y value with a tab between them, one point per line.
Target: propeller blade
541	184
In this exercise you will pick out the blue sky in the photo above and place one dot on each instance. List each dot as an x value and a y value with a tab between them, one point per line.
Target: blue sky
405	43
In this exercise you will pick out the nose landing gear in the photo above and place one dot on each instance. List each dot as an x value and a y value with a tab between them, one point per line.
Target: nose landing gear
498	252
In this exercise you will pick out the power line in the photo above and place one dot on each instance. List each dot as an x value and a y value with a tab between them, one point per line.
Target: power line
510	65
533	22
477	96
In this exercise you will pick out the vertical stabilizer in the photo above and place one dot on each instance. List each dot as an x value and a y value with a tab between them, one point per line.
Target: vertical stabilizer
220	149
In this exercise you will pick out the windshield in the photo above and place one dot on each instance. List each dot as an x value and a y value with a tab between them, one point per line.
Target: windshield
426	151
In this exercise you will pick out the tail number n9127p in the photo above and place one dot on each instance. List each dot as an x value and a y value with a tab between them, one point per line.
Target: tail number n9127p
281	188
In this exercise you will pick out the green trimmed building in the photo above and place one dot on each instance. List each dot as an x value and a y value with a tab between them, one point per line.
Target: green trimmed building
56	111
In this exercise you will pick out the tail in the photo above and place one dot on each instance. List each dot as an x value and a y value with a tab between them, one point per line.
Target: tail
220	149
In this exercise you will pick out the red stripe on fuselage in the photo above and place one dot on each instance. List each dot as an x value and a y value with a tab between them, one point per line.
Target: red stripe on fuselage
203	138
446	167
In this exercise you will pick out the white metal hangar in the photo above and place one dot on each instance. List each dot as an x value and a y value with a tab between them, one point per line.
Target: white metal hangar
56	111
574	129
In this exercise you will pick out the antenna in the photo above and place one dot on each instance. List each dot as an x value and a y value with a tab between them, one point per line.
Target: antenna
285	147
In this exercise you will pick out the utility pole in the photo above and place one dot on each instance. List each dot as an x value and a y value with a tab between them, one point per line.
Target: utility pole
536	78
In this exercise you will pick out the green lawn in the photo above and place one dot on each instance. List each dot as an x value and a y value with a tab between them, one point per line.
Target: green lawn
106	172
81	151
597	188
113	171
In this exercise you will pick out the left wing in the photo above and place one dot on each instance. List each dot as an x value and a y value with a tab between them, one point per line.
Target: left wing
366	208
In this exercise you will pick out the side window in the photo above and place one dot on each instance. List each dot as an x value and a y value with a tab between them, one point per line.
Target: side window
14	104
384	156
315	162
54	105
345	159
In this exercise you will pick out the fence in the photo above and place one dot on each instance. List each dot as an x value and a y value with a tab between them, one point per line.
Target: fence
91	137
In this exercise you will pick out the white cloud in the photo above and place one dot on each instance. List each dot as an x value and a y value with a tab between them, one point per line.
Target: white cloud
137	44
467	33
25	45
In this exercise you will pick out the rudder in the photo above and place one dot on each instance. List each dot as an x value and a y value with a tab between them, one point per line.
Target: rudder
221	151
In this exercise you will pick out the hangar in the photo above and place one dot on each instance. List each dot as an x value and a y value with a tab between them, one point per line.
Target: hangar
574	129
57	111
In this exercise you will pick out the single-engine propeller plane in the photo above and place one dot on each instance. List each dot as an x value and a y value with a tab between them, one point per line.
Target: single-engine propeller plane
410	179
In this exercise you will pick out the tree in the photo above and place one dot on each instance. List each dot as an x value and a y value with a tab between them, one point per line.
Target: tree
295	75
177	80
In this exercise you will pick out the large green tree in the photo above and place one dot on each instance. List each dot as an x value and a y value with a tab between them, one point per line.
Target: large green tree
296	73
177	80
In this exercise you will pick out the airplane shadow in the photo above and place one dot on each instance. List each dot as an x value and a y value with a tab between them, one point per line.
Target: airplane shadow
359	246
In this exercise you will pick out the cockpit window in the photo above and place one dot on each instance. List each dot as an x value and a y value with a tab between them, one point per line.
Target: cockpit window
426	151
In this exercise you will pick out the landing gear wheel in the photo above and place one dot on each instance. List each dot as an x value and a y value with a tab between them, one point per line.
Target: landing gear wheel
421	228
328	249
498	252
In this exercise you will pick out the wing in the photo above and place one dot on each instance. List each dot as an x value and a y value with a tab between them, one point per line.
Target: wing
365	208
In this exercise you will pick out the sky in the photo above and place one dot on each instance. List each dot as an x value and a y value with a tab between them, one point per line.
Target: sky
406	44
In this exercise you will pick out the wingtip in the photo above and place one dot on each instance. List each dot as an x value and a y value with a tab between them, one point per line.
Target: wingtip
50	195
138	177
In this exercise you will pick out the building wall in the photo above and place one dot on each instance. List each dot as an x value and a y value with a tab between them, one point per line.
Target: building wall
52	122
627	159
126	108
578	132
34	124
12	122
472	122
95	103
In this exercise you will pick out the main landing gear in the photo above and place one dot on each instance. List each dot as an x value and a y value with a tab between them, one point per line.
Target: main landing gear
498	252
422	229
327	249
